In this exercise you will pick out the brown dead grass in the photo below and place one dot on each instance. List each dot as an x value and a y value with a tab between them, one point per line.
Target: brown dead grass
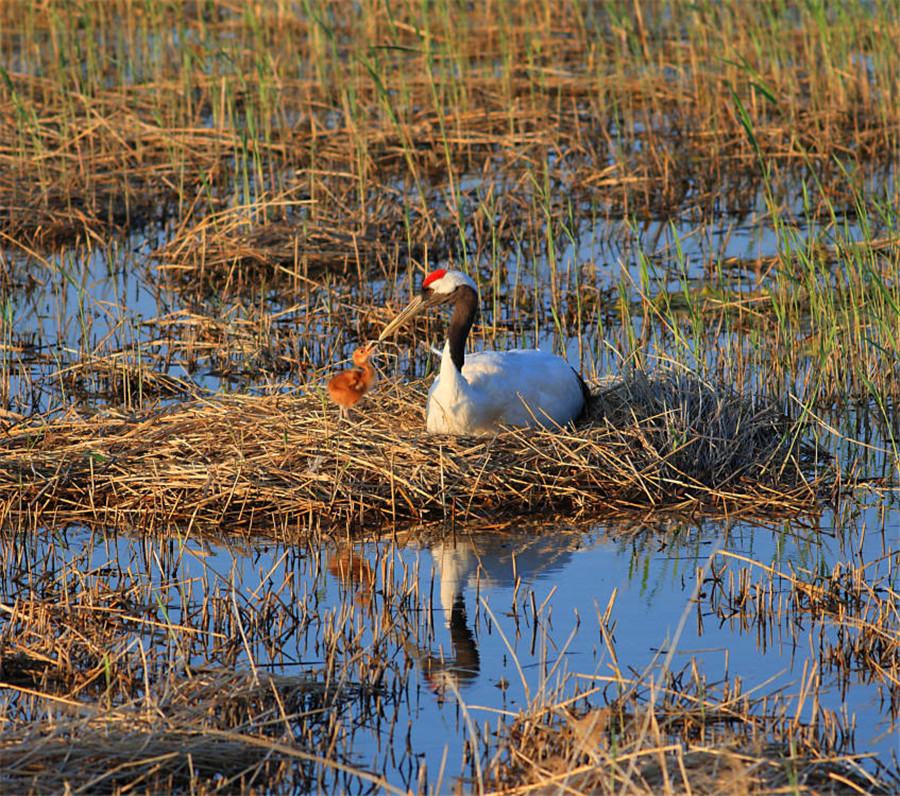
674	732
207	731
608	750
345	105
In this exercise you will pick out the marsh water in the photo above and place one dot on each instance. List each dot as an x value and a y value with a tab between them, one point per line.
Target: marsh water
504	619
484	621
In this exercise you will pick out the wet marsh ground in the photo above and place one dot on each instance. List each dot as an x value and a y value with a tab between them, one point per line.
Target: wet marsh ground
208	585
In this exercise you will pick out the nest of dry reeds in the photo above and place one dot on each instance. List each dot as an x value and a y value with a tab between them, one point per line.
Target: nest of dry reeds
700	439
282	464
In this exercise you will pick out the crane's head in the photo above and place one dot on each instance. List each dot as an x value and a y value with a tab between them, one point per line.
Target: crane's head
439	286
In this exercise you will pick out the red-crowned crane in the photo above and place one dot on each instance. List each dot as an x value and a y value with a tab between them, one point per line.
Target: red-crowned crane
348	387
479	393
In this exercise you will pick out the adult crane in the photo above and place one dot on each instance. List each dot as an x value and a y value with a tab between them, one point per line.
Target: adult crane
478	393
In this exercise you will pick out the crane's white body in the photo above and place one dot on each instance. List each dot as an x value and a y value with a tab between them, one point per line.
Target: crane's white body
521	387
480	393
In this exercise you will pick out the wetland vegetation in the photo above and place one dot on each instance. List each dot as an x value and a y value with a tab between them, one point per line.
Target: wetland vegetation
209	585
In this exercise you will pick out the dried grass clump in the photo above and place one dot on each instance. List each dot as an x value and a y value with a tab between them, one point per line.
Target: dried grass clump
703	437
54	219
234	259
689	738
118	378
283	241
210	731
282	464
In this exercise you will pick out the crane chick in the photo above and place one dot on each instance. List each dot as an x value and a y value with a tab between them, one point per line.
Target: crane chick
349	386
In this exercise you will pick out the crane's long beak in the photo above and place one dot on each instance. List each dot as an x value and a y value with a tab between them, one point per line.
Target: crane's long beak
416	306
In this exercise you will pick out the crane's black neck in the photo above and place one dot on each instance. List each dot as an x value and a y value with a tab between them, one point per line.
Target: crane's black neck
465	308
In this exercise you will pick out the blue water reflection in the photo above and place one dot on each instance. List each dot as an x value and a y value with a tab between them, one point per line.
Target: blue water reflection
509	615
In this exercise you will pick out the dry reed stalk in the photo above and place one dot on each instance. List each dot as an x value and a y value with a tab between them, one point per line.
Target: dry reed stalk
713	738
156	130
247	463
209	731
857	603
112	679
685	735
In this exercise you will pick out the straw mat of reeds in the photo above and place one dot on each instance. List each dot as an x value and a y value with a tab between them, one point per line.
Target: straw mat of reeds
282	464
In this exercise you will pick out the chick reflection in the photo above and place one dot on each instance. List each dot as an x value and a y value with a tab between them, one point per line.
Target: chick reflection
355	573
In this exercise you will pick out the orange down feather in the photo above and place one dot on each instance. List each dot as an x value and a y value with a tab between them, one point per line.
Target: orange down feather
348	387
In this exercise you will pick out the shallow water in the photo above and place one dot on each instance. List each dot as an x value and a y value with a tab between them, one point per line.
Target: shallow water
514	616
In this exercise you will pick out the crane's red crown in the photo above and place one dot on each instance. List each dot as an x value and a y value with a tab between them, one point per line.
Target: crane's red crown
440	273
